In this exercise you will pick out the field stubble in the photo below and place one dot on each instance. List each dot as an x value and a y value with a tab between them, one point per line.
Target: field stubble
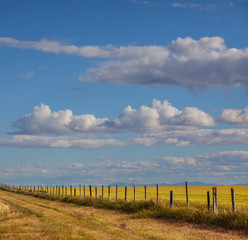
36	218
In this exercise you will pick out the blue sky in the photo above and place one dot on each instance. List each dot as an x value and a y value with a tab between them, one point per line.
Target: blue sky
100	91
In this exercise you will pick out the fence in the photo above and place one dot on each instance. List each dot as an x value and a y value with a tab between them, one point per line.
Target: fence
188	195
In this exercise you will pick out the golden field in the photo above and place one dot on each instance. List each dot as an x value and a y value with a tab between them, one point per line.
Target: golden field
37	218
197	194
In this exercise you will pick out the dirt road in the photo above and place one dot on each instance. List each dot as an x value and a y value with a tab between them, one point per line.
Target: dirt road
34	218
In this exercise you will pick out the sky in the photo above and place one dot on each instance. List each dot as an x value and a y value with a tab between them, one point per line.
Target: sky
129	91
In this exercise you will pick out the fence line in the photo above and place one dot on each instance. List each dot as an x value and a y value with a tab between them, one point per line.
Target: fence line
125	194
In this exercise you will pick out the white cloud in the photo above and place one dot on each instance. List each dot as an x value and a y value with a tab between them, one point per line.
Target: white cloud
43	121
229	167
197	137
235	116
26	75
185	62
27	141
208	7
160	116
208	164
46	45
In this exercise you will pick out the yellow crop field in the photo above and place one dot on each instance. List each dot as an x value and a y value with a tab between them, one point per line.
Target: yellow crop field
197	194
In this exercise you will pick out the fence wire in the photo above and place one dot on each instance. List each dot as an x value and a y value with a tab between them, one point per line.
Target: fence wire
197	195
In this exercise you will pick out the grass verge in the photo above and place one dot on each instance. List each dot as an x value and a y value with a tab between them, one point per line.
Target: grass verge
148	209
4	209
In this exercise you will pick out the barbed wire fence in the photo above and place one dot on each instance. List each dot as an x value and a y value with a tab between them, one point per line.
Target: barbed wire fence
159	194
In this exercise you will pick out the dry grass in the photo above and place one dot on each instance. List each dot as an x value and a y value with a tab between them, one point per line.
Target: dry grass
197	213
197	194
60	220
4	209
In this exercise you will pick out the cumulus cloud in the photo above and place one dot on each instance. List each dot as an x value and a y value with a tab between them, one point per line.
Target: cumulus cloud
235	116
44	121
159	116
184	62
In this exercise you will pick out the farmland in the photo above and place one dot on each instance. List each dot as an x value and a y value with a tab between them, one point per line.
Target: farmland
197	194
36	218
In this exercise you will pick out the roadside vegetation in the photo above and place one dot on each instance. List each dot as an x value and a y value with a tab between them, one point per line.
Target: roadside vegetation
196	213
38	218
4	209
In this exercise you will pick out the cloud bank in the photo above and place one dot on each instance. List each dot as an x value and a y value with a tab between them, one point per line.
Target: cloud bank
204	63
195	137
161	124
158	117
227	167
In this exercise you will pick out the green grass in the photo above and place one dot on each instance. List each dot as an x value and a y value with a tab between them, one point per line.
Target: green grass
197	213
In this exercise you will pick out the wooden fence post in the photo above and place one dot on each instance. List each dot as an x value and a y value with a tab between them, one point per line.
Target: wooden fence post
47	189
80	190
53	191
102	192
84	191
157	193
34	188
171	199
215	203
187	194
56	190
96	192
134	192
71	190
208	199
59	190
75	192
233	199
66	191
38	188
50	189
63	190
125	193
116	193
145	193
90	192
109	197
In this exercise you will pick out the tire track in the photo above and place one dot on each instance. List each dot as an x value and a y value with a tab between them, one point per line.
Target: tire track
61	220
